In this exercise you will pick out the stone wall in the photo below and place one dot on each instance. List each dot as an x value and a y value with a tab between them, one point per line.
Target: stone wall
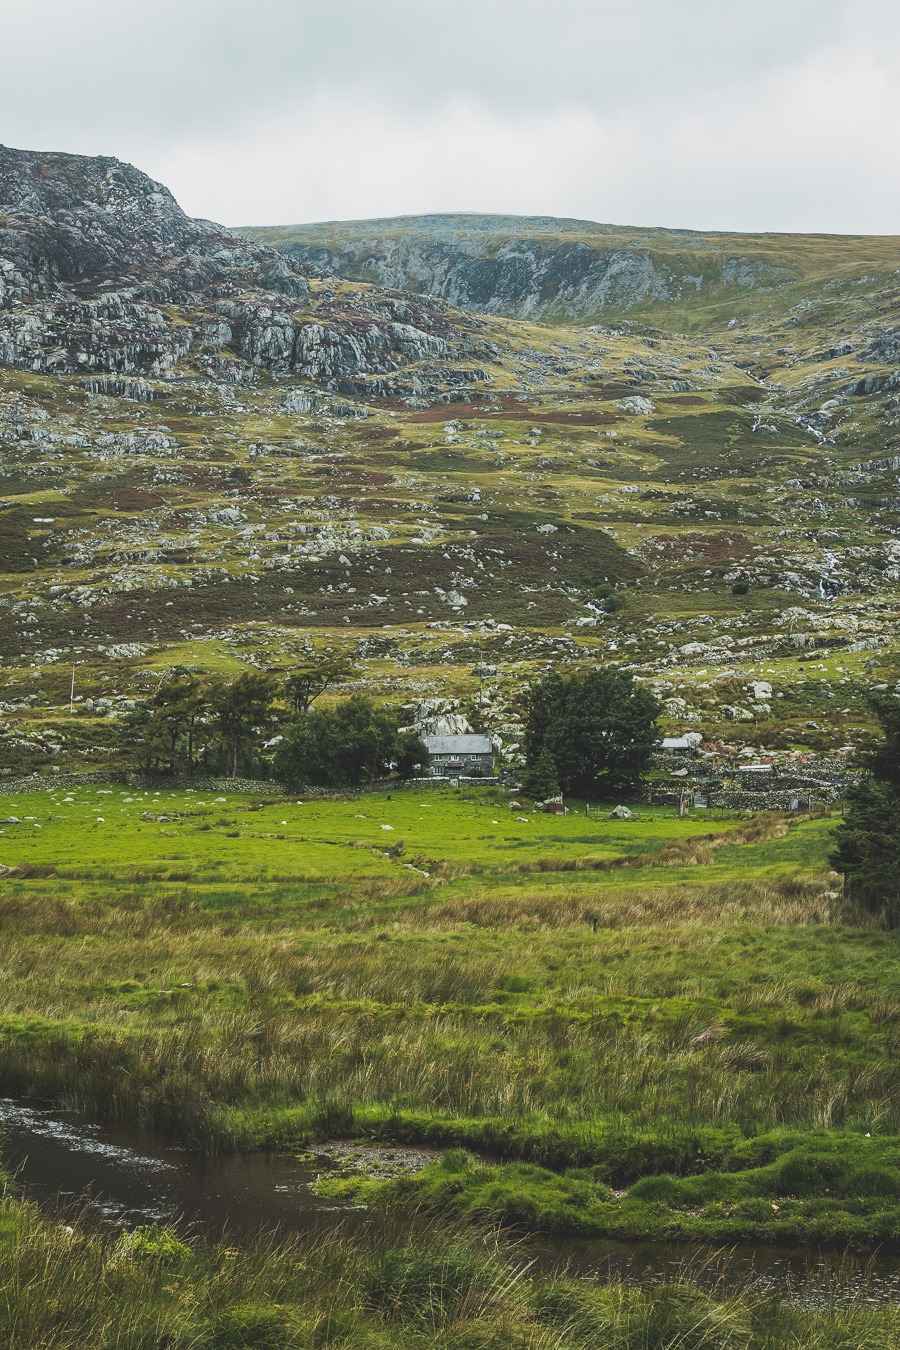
772	799
131	778
256	787
58	781
433	780
252	787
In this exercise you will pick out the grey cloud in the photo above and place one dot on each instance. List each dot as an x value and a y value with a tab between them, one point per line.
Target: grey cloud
684	112
190	65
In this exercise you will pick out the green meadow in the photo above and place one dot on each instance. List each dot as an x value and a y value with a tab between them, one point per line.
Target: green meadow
108	830
652	1028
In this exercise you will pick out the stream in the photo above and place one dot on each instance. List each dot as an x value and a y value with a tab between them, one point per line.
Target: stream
123	1177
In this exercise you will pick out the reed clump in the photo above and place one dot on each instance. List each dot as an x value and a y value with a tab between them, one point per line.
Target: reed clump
422	1287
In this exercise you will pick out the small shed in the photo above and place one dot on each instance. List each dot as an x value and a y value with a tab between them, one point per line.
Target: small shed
677	745
460	754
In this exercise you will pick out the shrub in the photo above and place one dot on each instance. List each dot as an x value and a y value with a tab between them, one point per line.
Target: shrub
152	1243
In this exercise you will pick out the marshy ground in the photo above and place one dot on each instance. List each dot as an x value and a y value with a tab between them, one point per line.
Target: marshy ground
653	1029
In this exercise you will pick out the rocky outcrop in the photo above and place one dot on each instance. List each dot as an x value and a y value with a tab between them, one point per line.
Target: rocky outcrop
74	225
526	266
102	272
103	334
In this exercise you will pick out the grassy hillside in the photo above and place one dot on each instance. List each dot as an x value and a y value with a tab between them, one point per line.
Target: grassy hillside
251	534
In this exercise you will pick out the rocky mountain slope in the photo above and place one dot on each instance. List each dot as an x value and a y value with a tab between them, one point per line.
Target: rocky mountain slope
219	454
577	270
103	272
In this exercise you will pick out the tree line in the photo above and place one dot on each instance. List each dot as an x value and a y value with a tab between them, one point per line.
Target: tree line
588	731
221	726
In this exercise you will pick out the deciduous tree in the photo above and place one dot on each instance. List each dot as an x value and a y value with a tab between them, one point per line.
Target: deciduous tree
305	684
344	745
595	725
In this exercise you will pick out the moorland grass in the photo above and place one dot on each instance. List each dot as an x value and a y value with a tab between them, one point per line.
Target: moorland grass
654	1019
62	1288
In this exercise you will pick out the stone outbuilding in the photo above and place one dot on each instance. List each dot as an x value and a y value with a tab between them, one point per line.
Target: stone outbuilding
680	746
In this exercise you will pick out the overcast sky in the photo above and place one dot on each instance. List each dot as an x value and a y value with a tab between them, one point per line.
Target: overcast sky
710	114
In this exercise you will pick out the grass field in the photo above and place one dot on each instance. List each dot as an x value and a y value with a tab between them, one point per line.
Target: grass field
111	830
655	1028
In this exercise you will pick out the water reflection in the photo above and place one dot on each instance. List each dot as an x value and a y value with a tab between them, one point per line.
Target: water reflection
807	1277
127	1177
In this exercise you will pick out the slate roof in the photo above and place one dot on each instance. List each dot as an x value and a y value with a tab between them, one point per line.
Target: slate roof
458	745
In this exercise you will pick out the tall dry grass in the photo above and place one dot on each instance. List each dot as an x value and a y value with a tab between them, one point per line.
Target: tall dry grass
416	1287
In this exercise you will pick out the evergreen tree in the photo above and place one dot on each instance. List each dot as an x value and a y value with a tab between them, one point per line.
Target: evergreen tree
167	730
541	782
241	708
594	724
176	710
867	840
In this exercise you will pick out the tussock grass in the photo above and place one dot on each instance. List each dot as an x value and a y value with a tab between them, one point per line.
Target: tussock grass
422	1287
787	901
628	1019
693	851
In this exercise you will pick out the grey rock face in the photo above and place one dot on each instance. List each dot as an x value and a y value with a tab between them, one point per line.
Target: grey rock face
108	334
95	256
522	277
89	249
521	265
274	338
70	221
